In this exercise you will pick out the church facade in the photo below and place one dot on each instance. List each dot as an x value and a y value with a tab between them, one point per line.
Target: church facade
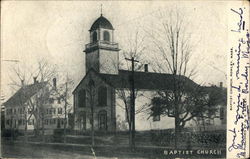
92	92
98	95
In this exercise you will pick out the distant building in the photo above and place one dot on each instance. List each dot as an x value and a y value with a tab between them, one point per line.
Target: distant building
100	87
216	121
22	108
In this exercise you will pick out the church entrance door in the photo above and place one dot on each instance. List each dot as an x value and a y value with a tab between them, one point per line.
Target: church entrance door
83	120
102	120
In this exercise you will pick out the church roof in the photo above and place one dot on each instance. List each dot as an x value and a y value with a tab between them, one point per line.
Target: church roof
146	80
142	80
24	93
101	22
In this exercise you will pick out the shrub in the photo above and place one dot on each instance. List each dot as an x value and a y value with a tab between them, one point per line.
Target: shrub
11	133
58	135
188	138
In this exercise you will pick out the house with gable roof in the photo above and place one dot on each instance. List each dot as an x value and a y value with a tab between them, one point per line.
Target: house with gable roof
22	110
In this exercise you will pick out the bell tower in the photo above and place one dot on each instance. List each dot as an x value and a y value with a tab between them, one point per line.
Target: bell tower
102	52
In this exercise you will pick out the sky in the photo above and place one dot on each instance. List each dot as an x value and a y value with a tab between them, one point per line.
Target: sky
57	31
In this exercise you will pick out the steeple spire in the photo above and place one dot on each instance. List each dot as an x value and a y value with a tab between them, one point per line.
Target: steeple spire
101	9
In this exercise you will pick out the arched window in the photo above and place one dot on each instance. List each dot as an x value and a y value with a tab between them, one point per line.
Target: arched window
94	37
82	98
102	96
102	120
106	36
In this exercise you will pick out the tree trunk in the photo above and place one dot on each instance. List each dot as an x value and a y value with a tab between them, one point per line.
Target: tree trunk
64	128
65	122
65	112
43	131
92	132
92	127
25	132
203	123
177	117
130	135
177	131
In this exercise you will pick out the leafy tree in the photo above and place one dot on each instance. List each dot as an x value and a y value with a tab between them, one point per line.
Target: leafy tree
200	102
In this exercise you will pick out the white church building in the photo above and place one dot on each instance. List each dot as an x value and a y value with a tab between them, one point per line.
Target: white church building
98	93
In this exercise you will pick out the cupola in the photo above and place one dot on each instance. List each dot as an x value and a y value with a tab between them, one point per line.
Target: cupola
101	22
101	51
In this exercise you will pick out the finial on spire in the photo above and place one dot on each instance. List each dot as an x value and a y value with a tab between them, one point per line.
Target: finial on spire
101	9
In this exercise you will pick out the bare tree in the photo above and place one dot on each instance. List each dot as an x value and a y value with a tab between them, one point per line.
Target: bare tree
174	46
35	105
135	49
64	93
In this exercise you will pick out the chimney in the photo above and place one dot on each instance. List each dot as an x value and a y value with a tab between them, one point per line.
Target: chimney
221	84
22	82
35	81
54	82
146	67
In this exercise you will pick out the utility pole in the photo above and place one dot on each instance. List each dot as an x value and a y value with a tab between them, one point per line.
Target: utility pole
132	97
65	109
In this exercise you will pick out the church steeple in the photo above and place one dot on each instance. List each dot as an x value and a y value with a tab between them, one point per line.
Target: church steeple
102	51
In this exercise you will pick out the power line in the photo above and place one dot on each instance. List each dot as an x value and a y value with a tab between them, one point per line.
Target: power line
216	68
7	60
